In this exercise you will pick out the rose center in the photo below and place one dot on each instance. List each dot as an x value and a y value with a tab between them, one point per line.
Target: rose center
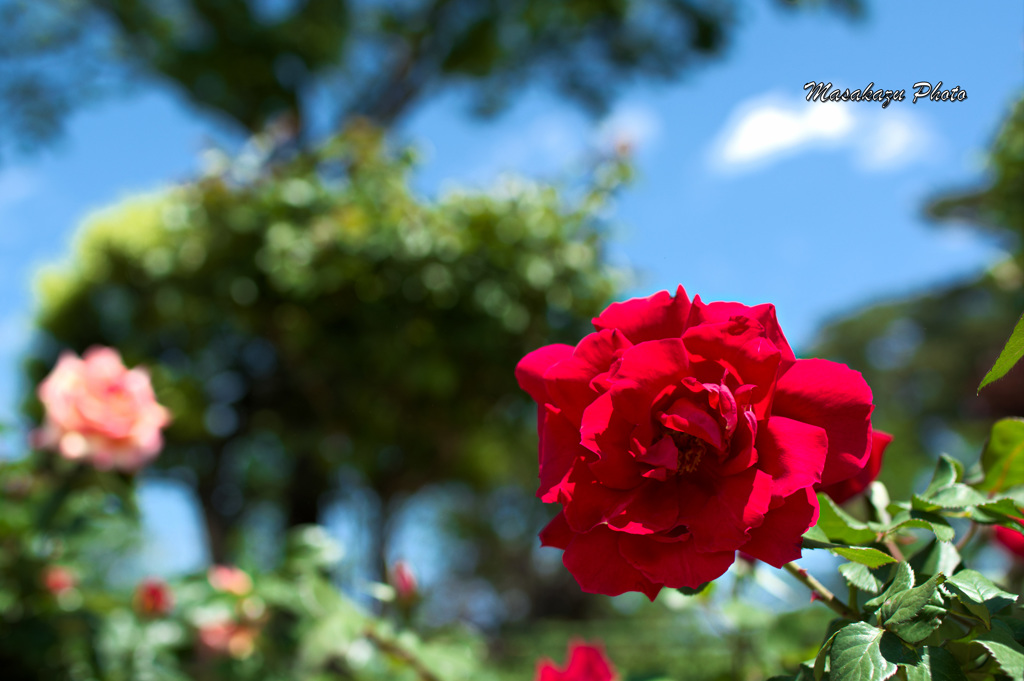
691	451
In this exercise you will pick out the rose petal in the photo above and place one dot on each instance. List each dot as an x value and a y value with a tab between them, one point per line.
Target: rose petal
721	513
740	345
834	397
777	541
792	452
676	564
644	319
605	433
530	370
594	560
685	417
847	489
557	533
702	313
651	507
559	449
569	380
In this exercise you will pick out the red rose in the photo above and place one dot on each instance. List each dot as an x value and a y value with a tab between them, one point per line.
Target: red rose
679	433
1012	540
586	663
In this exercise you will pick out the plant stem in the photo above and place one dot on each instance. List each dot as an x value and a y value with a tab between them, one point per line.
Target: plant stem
392	648
894	550
967	537
823	594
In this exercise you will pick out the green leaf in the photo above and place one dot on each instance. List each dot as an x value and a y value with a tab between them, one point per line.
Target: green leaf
690	591
839	525
935	664
947	472
864	555
979	594
903	579
1010	355
925	520
921	625
1008	654
936	557
957	495
856	654
815	534
861	577
1003	456
904	606
822	657
1003	512
878	498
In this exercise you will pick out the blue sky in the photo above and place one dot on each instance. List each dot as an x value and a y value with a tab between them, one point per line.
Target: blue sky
746	191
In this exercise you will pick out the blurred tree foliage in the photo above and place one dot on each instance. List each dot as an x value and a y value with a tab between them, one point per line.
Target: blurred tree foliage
303	317
925	356
250	62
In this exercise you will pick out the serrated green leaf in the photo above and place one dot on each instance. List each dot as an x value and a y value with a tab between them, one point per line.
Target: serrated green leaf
956	495
1003	456
925	520
861	577
902	579
1008	356
864	555
817	535
1003	512
937	556
1008	654
920	626
979	594
856	654
840	526
904	606
947	472
935	664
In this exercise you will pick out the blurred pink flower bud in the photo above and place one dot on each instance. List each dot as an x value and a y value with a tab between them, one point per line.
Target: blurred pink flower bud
586	663
227	637
153	598
58	579
99	411
404	581
230	579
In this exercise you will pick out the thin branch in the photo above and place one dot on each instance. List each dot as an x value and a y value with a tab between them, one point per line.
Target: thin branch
392	648
894	550
973	530
819	590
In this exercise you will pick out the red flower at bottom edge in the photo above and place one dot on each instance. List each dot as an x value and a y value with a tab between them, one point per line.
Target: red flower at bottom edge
586	663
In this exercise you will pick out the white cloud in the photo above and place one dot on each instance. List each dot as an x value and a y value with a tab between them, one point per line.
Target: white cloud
768	128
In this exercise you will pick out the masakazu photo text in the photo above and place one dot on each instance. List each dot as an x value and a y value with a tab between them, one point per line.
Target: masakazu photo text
824	92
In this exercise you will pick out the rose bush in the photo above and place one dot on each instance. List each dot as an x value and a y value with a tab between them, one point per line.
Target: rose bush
99	411
678	433
586	663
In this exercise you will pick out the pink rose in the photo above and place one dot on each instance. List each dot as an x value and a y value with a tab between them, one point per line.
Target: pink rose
99	411
227	637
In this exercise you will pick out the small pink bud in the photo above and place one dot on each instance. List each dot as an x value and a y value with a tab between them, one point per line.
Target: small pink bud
58	579
230	579
404	581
